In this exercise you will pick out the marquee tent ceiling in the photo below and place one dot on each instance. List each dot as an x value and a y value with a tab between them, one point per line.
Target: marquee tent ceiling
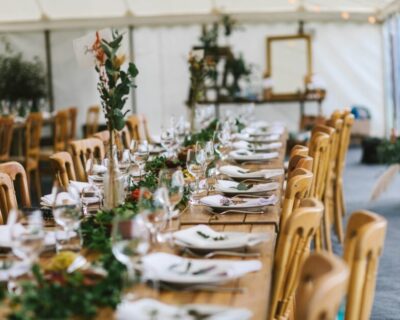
42	14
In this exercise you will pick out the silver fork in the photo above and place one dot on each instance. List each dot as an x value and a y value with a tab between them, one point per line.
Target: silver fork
222	253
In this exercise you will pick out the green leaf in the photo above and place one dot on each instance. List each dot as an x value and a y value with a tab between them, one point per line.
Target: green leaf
243	186
133	70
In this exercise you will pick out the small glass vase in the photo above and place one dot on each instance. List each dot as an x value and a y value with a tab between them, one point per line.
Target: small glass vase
114	193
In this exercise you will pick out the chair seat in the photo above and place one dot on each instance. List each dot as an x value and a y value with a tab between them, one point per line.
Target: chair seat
45	153
29	164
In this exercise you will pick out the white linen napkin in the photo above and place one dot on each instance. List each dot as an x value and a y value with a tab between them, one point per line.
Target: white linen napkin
79	185
196	237
257	147
238	172
62	199
243	154
218	200
150	309
231	186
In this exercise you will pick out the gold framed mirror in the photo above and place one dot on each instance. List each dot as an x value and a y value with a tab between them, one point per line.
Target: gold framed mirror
289	63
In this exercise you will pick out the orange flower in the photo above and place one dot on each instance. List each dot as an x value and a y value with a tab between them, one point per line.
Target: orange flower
97	50
119	60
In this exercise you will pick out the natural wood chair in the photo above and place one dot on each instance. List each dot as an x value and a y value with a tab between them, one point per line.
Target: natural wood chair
322	285
6	133
363	245
30	160
133	124
337	124
81	151
293	247
348	121
123	139
18	176
72	116
126	137
92	120
8	200
146	129
299	161
104	136
322	151
296	189
63	167
299	149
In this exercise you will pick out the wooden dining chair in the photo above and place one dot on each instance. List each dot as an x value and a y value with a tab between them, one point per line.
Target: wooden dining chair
63	167
104	136
72	117
299	149
83	150
126	137
321	287
8	200
348	121
146	131
121	139
363	245
296	189
322	149
6	133
292	248
133	124
30	159
92	120
337	124
299	161
17	174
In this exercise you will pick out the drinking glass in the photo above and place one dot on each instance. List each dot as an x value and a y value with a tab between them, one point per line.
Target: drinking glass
140	155
130	240
124	162
95	169
168	141
67	213
174	182
157	216
28	240
195	165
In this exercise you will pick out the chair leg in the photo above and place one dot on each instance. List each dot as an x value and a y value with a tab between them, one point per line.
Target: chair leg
342	203
327	227
38	184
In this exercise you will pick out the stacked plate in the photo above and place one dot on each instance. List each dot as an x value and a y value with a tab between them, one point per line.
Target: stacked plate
229	187
239	173
257	147
247	155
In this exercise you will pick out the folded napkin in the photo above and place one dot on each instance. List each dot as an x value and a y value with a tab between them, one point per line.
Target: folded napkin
220	201
231	186
204	237
99	169
17	269
238	172
171	268
150	309
255	146
79	185
246	155
63	198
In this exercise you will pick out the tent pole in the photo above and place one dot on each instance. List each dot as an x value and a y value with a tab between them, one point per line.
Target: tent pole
132	59
49	69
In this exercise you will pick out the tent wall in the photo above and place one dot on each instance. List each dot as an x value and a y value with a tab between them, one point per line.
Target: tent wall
348	56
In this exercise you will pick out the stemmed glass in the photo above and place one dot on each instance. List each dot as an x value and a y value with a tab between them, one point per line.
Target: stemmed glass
174	183
168	141
130	240
195	164
139	154
67	213
28	240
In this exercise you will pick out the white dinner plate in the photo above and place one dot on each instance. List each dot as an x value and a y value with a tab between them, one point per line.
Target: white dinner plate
221	203
239	173
231	187
247	155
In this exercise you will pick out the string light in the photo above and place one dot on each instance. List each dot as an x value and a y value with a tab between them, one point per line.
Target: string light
345	15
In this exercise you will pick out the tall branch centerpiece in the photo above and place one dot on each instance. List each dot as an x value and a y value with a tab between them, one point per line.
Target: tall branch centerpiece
114	86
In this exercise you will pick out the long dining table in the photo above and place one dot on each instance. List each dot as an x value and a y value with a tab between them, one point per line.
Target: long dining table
253	289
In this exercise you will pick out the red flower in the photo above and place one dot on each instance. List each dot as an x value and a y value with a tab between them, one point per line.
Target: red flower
135	194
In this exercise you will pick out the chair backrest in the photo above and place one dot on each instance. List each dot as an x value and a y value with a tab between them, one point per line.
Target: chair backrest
344	142
63	167
293	247
299	161
126	137
83	150
363	245
92	120
296	189
7	197
104	136
134	127
146	131
6	133
33	131
322	285
72	115
17	174
298	149
319	151
61	130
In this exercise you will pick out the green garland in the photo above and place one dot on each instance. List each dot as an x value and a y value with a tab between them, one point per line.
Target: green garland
389	152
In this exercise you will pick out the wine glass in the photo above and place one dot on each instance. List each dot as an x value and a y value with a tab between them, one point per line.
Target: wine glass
168	141
124	162
157	216
28	240
195	164
130	241
141	154
67	213
174	183
95	169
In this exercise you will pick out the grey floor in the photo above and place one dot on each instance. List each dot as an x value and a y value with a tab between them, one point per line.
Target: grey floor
358	183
